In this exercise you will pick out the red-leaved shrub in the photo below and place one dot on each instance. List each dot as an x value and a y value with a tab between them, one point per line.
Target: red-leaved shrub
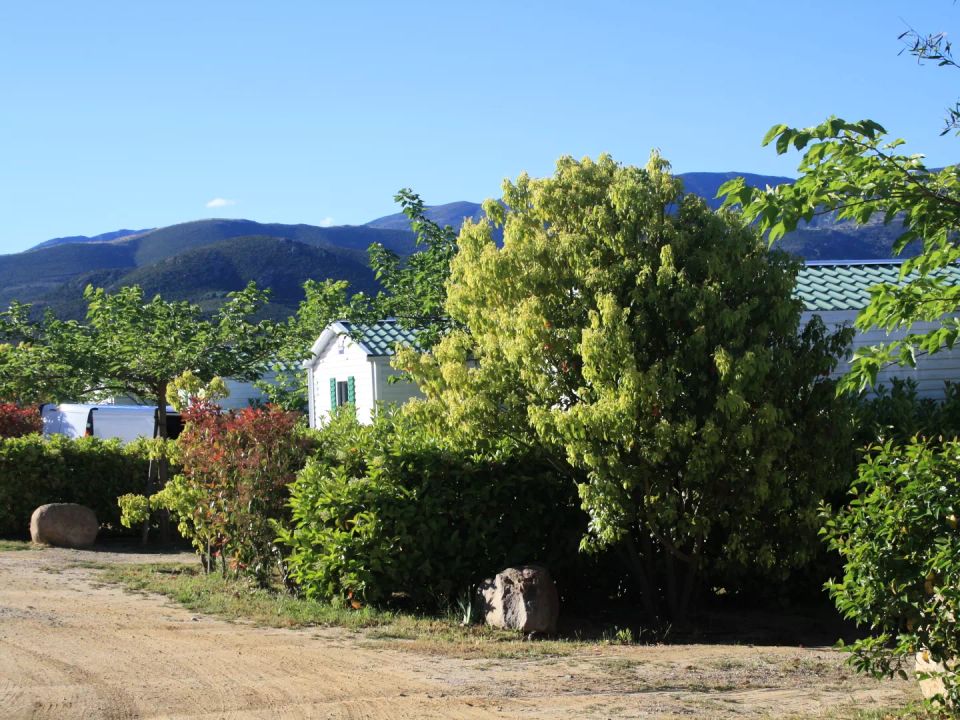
238	465
16	421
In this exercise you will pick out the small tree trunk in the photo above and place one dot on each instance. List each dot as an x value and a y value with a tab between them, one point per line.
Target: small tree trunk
649	596
145	530
672	596
688	587
163	470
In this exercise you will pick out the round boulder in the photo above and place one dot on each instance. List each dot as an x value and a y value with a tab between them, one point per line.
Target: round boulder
64	525
522	598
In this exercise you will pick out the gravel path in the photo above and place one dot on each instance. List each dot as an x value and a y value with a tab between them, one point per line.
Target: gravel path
74	647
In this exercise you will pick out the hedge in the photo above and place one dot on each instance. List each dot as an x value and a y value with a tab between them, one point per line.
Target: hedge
89	471
384	514
16	421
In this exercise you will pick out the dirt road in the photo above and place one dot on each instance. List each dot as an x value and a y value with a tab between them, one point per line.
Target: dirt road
72	647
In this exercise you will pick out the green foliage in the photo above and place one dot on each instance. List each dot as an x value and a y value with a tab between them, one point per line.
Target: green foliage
851	170
388	513
187	386
897	413
130	346
900	544
134	509
323	303
233	486
414	288
89	471
656	347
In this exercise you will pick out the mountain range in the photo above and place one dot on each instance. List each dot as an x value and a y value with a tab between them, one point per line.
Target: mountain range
202	261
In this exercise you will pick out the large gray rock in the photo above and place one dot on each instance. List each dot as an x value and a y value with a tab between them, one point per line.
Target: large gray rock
933	685
521	598
64	525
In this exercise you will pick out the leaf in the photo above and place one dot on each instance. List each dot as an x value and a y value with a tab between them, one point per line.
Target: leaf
772	133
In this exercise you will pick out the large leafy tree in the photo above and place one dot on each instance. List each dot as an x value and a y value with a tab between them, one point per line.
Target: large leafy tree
131	346
656	348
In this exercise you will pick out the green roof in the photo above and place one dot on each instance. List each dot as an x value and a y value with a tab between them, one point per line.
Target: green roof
821	285
824	286
380	338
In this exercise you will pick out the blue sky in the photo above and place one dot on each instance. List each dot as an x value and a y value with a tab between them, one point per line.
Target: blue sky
139	114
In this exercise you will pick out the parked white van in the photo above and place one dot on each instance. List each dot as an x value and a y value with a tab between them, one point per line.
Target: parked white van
127	422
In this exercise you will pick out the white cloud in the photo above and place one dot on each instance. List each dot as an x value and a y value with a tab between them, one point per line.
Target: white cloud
220	202
326	222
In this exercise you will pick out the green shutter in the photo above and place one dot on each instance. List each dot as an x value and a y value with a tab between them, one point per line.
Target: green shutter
351	391
333	393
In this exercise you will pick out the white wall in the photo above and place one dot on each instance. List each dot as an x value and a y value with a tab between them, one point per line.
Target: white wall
391	392
340	360
931	370
242	394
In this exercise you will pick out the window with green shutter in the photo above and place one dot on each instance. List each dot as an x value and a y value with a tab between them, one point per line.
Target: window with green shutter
342	392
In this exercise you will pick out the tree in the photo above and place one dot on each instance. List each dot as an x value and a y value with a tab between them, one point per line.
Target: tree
129	346
656	348
414	288
901	550
851	170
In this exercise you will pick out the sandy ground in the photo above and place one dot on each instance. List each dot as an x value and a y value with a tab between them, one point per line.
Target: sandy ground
72	647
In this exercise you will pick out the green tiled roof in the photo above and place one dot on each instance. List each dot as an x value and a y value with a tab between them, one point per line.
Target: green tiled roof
380	338
826	286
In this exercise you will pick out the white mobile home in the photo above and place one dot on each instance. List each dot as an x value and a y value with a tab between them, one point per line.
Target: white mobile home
351	364
125	422
837	291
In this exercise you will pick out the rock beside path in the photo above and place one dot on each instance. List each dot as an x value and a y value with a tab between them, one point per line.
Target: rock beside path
932	685
64	525
522	598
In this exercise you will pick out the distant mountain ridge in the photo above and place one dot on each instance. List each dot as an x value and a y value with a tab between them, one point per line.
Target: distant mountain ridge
203	260
452	214
104	237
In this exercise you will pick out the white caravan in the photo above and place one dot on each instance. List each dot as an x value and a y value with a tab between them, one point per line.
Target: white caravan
126	422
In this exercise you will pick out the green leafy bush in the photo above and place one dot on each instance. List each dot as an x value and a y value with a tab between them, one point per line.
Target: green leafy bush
898	413
89	471
386	513
16	421
232	489
900	543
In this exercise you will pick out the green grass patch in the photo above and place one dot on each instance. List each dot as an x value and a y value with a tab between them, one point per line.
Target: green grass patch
914	711
237	600
10	545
